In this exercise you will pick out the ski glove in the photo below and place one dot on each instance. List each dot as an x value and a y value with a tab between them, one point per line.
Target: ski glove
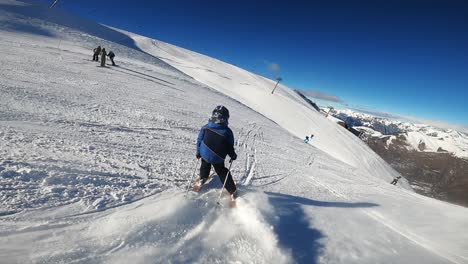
198	156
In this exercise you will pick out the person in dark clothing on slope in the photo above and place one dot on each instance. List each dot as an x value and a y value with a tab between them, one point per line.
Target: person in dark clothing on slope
214	142
394	182
111	56
96	51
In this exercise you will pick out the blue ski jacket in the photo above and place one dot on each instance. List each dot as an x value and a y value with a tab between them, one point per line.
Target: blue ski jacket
214	142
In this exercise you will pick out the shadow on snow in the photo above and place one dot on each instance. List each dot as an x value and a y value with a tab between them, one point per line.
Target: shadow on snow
293	228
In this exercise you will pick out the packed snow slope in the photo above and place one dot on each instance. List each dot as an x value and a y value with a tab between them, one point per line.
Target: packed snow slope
285	107
94	162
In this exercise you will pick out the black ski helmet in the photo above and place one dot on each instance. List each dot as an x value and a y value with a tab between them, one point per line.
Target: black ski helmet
220	114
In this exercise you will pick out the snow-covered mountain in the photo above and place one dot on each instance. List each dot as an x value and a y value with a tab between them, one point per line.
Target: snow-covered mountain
419	137
94	162
434	160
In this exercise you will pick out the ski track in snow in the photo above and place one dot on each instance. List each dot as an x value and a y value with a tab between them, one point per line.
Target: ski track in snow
94	163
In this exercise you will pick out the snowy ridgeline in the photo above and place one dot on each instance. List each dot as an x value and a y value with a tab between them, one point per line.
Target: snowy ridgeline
419	137
93	162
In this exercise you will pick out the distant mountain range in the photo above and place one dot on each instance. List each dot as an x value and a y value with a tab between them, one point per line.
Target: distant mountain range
419	137
434	160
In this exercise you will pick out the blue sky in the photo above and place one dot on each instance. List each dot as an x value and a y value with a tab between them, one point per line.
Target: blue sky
408	57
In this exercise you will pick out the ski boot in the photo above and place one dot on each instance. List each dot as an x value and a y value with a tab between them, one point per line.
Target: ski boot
198	184
233	196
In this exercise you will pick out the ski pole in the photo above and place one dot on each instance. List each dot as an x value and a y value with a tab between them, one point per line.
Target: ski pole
225	180
191	178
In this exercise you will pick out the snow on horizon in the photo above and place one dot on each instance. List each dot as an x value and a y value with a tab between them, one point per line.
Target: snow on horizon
434	138
94	162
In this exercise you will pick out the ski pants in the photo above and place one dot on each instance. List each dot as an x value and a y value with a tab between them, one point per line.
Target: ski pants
96	57
221	170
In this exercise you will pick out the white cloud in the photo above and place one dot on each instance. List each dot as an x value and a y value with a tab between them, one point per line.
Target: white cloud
440	124
377	113
436	123
274	67
322	96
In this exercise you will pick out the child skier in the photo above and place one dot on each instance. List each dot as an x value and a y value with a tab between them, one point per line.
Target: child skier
214	142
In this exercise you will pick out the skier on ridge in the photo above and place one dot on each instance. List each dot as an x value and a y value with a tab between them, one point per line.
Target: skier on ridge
395	180
214	142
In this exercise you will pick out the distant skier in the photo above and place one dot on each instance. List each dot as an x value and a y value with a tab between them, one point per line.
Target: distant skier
214	142
103	57
306	139
96	51
394	182
111	56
